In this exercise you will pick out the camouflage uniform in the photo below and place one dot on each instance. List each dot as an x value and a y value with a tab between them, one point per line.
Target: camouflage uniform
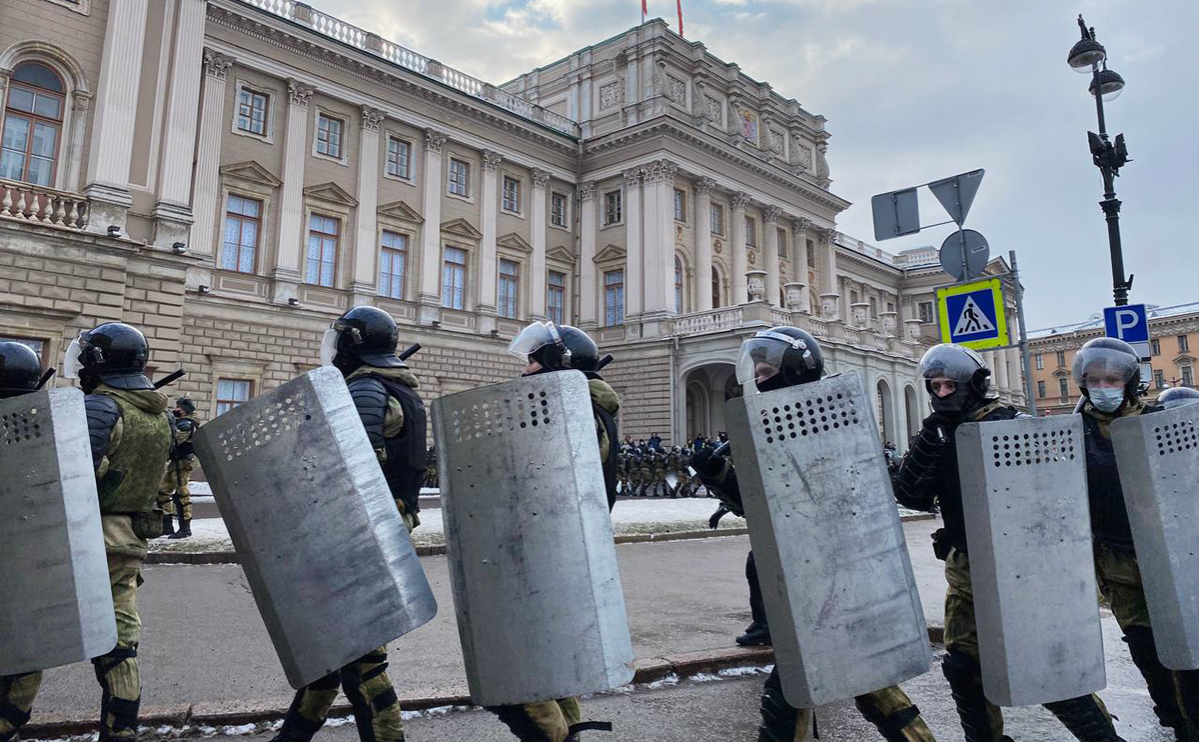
176	482
431	468
645	470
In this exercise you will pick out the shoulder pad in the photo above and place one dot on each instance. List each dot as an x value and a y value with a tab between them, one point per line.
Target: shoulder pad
370	399
102	416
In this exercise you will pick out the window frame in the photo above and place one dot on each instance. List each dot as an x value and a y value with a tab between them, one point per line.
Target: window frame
403	253
342	136
450	179
235	403
926	318
517	201
551	289
614	315
565	224
1039	360
338	221
680	205
783	242
409	176
8	112
507	288
1063	387
680	285
1060	358
716	219
751	231
268	122
1155	347
1184	343
1159	378
618	194
1187	372
1041	389
257	247
461	269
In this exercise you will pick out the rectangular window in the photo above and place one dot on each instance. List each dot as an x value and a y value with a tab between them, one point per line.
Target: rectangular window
874	307
926	311
1039	358
613	298
1183	344
399	158
511	196
890	306
1061	359
555	297
1155	347
612	208
509	288
328	135
782	233
251	111
1063	387
232	392
680	206
558	206
1041	389
811	249
393	256
243	223
717	219
1159	379
1188	376
322	250
453	279
459	178
751	232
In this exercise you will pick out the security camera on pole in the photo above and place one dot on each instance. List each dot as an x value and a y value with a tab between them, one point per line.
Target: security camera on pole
971	312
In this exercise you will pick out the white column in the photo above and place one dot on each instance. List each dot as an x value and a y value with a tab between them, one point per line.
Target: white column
737	245
116	114
537	229
703	244
634	261
489	204
770	219
291	197
830	304
1015	370
659	239
800	240
366	218
429	294
588	287
999	366
208	155
174	193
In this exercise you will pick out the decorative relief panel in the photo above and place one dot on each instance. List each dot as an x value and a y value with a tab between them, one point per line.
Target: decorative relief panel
610	95
676	89
715	111
776	141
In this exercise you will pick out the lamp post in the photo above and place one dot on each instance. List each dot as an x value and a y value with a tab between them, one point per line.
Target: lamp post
1088	55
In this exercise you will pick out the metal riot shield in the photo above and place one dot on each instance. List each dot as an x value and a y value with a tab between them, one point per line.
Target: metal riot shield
836	577
1024	493
1158	456
531	551
55	600
320	538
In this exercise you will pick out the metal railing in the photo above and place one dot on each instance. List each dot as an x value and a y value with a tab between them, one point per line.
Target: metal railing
339	30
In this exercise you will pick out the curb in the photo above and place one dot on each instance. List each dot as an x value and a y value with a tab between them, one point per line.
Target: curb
218	714
230	557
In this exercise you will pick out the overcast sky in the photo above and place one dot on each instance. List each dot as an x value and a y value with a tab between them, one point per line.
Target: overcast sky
916	90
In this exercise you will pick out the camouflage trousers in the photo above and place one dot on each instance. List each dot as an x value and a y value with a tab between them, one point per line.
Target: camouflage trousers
117	671
178	487
542	721
369	691
890	710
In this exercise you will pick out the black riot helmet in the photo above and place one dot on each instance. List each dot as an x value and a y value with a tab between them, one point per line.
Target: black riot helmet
114	353
779	357
557	348
1178	396
363	336
185	404
1108	372
20	369
962	366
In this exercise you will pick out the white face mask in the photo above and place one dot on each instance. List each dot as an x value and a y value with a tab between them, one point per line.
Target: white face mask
1106	400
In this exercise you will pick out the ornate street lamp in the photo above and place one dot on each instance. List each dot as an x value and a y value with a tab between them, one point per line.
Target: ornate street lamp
1089	56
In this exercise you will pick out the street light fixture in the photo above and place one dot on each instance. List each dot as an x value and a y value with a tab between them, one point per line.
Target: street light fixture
1088	55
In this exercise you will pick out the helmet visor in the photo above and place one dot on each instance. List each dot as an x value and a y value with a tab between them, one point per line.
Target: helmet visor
535	336
329	347
950	362
72	363
1100	368
761	359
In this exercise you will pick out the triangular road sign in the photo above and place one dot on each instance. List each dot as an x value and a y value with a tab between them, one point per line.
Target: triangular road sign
972	319
957	193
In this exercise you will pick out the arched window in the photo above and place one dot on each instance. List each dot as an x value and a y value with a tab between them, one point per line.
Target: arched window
33	117
715	288
678	285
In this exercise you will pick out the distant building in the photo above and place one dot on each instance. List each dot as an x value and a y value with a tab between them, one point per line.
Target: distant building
1172	330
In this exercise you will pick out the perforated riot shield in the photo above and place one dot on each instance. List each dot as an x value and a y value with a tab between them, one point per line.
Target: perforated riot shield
55	600
531	552
836	577
320	538
1024	493
1158	456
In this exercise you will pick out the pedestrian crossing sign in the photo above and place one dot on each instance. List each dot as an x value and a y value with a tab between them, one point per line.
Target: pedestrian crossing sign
972	314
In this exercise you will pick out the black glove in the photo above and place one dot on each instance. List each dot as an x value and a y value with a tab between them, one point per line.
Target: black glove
714	521
947	421
705	463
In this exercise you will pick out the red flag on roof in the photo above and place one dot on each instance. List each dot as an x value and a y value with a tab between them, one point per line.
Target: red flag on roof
679	3
644	10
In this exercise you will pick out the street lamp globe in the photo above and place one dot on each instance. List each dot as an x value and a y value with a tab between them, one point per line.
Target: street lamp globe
1109	84
1085	54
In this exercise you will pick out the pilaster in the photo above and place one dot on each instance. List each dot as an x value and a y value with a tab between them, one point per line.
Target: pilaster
488	262
537	232
208	155
703	244
429	294
634	259
800	229
366	218
770	219
287	273
588	289
737	245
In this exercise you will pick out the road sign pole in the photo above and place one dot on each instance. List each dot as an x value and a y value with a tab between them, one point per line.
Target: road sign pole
1024	354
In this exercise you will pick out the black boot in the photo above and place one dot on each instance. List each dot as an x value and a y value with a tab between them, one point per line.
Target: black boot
168	525
962	672
1158	679
185	529
1085	720
779	718
756	635
1188	690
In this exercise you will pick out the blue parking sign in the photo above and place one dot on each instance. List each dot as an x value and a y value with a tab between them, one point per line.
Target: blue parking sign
1129	323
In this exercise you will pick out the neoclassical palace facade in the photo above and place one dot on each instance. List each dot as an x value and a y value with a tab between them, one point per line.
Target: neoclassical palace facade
230	175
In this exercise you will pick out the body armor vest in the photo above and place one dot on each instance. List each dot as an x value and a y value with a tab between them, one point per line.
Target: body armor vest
135	468
406	455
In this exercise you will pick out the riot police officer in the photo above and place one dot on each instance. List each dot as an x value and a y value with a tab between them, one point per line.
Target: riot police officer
20	373
1177	396
777	358
174	494
362	345
1107	371
130	434
548	347
959	384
